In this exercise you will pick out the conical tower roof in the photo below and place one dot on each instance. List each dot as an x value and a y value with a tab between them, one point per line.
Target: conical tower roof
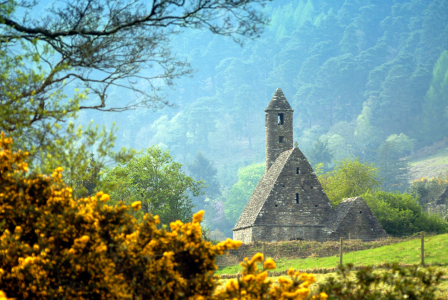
279	102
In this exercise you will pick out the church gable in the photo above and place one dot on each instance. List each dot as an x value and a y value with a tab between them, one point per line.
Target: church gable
296	197
261	192
354	218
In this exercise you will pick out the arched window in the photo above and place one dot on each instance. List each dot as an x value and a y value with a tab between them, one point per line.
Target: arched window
297	198
280	119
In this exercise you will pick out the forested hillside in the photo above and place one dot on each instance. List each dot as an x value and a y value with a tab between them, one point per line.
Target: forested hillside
366	78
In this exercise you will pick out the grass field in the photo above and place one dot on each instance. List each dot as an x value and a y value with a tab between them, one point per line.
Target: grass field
405	252
430	166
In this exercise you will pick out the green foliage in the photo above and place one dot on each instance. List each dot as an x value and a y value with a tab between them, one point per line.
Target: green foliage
349	178
400	214
395	282
393	171
202	169
157	181
239	194
319	153
34	118
427	190
403	143
435	124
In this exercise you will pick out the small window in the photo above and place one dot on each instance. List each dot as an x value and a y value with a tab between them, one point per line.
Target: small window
280	119
360	211
280	139
276	205
297	198
297	171
311	187
316	205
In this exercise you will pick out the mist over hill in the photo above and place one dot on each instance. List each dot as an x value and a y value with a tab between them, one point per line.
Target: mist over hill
366	79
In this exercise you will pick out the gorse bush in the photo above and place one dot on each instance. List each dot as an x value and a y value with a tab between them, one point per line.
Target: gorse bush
55	247
393	282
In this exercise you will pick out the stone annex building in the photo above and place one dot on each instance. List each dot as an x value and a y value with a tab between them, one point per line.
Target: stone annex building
289	202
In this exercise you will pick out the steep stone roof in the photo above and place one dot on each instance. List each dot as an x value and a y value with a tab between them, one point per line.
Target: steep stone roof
349	214
443	198
279	102
262	191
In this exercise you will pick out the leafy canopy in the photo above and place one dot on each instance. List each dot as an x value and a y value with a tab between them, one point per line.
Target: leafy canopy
157	181
349	178
239	194
400	214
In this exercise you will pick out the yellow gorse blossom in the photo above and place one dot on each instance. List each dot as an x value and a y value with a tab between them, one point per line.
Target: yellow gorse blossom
136	205
269	264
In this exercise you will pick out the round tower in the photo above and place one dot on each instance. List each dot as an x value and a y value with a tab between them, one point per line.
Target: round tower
279	135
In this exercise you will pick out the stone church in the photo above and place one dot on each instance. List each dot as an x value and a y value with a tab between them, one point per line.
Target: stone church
289	202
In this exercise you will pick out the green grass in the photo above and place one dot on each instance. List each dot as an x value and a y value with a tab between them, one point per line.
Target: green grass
405	252
441	157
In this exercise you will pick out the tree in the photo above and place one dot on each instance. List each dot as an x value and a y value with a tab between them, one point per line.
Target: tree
239	194
393	170
427	190
400	214
319	153
103	43
434	122
349	178
157	181
202	169
96	46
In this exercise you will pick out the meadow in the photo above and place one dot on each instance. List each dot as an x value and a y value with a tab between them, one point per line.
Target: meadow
407	252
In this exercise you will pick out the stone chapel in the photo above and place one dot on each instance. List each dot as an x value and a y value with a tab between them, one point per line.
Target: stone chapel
289	202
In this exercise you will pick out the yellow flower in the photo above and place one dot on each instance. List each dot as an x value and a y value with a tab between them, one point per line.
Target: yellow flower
269	264
3	295
232	285
258	257
136	205
105	198
59	169
84	238
197	217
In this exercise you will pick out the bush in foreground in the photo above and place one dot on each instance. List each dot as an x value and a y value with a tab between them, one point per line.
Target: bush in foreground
393	282
55	247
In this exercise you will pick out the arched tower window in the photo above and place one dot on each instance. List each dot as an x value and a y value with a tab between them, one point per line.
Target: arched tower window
280	119
297	198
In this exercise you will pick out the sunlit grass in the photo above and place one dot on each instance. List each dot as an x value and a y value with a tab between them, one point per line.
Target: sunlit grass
440	158
405	252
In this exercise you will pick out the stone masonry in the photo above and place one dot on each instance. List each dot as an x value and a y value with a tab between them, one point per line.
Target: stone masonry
289	202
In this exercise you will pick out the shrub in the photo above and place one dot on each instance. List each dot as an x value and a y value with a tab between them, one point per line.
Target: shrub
400	214
55	247
395	282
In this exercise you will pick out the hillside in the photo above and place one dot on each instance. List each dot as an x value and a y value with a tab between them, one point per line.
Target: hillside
430	161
